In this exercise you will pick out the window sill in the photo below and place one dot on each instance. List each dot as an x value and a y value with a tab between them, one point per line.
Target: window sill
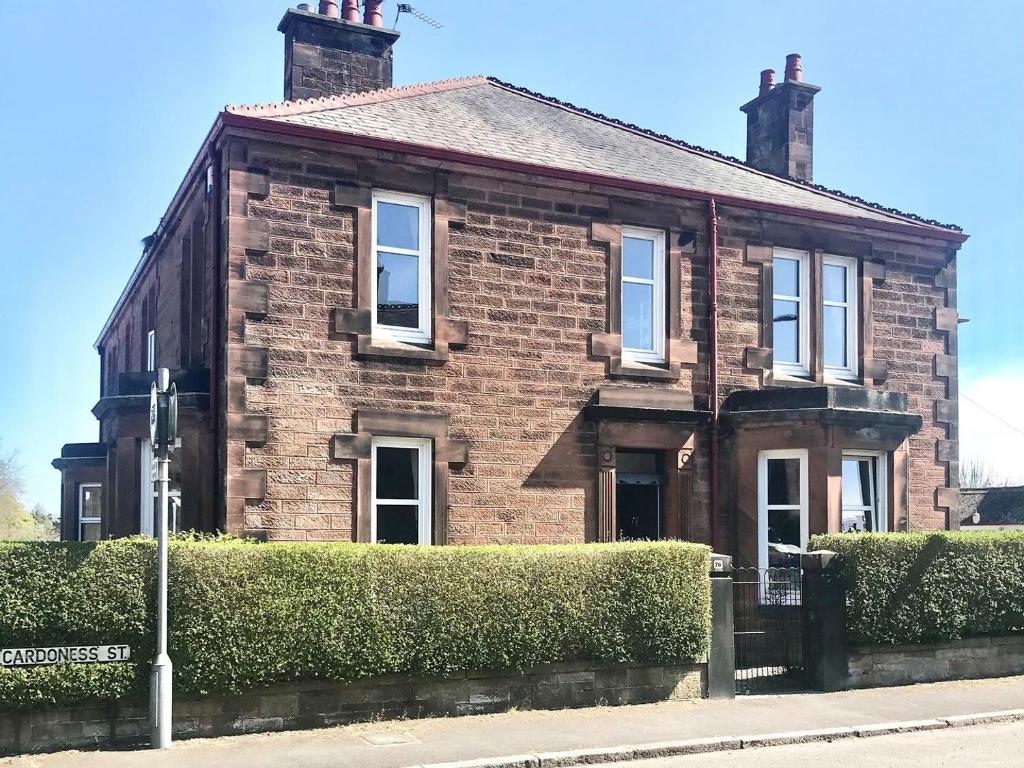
790	379
356	322
367	346
638	369
632	360
841	381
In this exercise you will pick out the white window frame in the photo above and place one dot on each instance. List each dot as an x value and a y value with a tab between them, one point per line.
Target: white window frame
879	509
657	283
151	350
422	333
802	367
424	504
848	371
81	505
762	499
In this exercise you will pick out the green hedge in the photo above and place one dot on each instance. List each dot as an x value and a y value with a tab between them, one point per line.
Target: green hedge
905	588
54	594
245	615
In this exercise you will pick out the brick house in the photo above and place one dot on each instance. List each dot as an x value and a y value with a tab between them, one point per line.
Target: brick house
464	312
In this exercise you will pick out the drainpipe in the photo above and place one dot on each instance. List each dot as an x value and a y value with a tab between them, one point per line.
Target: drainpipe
218	379
713	364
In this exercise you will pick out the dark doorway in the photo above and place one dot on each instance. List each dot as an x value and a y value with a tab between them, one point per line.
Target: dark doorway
639	495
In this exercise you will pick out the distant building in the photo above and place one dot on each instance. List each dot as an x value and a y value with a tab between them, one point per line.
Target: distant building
992	509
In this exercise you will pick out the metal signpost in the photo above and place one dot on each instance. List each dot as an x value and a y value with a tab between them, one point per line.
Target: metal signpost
163	426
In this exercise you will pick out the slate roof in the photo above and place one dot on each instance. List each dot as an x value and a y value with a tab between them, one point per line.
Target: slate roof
995	506
489	118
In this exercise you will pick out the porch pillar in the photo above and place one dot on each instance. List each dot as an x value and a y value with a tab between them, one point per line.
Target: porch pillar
606	493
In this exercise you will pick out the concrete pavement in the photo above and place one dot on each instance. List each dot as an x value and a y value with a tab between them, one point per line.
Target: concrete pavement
442	740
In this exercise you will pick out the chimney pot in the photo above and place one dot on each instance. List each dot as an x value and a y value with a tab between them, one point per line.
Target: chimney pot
372	14
794	70
350	10
767	81
329	8
307	7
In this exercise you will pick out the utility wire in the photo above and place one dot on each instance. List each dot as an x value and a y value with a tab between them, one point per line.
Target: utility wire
998	418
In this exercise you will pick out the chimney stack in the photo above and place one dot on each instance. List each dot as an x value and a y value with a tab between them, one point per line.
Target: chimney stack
780	123
330	52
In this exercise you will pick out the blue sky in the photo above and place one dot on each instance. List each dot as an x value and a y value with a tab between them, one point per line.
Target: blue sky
106	103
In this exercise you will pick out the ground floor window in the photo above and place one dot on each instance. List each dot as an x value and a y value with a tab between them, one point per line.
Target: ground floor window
782	508
865	499
90	511
401	478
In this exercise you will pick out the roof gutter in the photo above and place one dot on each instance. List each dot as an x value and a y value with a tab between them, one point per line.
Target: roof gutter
235	120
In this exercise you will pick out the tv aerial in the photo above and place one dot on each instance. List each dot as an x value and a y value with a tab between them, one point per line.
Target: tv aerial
407	8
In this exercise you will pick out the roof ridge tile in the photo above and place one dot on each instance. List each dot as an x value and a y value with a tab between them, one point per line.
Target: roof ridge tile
322	103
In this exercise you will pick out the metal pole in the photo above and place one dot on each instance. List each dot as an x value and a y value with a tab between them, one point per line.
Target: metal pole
160	688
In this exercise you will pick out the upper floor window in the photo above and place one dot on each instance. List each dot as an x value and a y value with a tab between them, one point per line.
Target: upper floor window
643	295
151	351
401	481
833	312
401	267
90	511
790	311
839	315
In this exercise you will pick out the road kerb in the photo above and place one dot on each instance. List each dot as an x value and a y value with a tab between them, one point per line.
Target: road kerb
900	726
687	747
796	737
508	761
985	718
585	756
598	755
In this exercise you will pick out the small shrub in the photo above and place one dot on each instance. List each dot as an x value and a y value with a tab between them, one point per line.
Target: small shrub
905	588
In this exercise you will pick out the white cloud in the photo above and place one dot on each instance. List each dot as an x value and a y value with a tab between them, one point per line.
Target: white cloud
992	426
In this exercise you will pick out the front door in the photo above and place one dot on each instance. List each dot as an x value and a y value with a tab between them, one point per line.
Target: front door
639	491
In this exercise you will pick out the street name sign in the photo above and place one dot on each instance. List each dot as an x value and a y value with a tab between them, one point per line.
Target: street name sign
73	654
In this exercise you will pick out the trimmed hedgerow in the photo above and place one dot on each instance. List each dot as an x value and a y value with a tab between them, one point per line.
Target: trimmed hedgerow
245	615
905	588
54	594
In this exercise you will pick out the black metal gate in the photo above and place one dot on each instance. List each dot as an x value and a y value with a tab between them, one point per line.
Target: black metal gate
768	623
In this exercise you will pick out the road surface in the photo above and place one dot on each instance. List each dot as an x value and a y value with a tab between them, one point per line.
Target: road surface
978	746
